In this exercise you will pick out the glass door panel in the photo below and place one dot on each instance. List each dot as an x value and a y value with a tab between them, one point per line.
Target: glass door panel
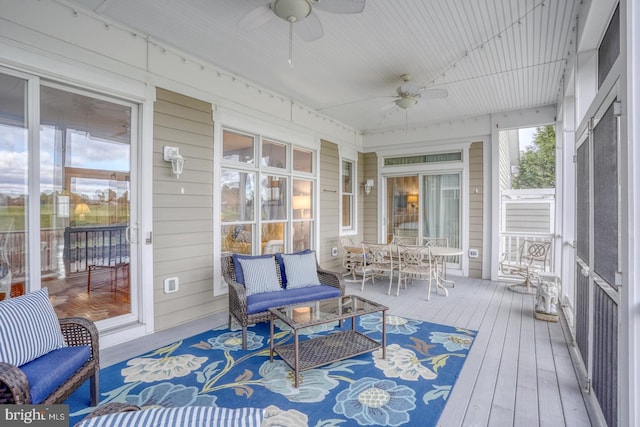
441	209
14	161
402	207
85	200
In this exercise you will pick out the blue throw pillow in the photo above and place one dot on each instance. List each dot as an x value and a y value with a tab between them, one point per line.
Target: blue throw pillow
238	268
29	328
283	274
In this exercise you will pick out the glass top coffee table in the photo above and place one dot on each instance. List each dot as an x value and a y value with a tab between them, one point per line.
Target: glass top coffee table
342	344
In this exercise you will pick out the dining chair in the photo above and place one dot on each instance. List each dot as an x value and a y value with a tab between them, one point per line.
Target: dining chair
351	256
404	240
440	242
435	241
377	260
414	261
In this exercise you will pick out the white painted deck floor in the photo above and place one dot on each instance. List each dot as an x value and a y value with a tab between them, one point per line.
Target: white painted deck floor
519	371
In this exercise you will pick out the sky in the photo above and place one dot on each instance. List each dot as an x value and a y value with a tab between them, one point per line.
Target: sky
525	137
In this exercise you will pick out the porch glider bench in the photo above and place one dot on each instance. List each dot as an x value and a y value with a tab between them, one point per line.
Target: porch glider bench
258	283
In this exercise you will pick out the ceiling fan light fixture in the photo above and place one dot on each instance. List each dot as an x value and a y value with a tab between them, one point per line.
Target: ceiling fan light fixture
291	10
406	102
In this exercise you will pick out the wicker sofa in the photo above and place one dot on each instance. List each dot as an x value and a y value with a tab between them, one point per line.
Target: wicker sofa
254	308
49	376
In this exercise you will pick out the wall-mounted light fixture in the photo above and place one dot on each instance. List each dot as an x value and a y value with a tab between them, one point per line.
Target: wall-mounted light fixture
368	185
172	154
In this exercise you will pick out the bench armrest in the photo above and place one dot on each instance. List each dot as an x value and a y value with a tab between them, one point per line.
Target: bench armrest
81	331
14	387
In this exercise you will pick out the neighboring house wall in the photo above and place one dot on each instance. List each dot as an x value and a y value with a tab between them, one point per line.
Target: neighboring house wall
369	206
528	217
182	211
329	211
476	202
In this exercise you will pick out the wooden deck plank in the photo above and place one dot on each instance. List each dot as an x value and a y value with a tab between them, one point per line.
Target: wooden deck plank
526	409
506	384
485	362
571	395
550	412
459	400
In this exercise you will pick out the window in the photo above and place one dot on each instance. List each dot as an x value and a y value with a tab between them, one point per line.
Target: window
274	154
423	158
347	190
266	206
237	147
302	160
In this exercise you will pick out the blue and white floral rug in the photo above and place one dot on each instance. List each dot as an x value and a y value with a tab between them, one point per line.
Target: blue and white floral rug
409	387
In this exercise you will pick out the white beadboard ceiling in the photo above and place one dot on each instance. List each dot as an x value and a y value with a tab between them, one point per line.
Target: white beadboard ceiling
490	55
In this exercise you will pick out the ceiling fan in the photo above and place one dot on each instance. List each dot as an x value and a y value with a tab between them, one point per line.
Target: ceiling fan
301	13
409	93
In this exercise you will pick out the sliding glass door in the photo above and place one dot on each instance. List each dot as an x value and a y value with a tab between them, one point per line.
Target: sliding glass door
14	161
425	205
66	198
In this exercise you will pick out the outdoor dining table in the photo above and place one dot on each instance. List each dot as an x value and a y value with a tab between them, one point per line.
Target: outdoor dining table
440	253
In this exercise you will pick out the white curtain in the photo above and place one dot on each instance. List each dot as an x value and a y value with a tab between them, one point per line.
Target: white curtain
441	207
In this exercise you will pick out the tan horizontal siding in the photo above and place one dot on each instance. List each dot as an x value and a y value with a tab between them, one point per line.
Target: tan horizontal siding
183	211
329	220
476	202
369	202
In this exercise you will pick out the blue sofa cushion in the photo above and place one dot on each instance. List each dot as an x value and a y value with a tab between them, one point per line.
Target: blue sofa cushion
283	273
262	302
180	416
29	328
237	267
48	372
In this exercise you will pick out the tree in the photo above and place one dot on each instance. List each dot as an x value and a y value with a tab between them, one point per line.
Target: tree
537	168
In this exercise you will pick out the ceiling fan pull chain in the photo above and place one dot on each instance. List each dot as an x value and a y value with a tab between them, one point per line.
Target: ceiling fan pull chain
291	44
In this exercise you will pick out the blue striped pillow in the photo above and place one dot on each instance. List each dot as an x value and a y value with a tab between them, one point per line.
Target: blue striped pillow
260	275
300	270
29	328
180	416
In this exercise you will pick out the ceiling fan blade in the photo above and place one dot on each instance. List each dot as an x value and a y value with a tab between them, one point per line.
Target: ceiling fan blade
256	17
434	93
310	28
388	107
340	6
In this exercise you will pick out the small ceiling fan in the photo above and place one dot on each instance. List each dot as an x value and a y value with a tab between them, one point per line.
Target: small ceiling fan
409	93
301	13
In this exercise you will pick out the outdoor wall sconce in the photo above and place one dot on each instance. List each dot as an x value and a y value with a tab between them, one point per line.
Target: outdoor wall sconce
368	185
172	154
